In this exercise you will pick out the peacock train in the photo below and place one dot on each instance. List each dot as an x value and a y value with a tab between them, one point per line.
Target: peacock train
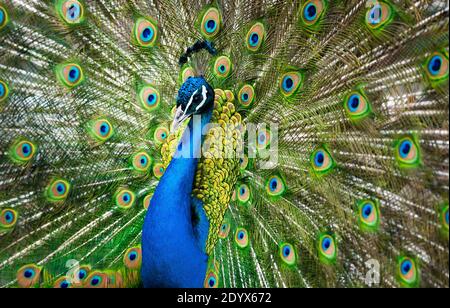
224	144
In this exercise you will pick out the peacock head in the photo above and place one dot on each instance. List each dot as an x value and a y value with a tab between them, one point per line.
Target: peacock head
195	96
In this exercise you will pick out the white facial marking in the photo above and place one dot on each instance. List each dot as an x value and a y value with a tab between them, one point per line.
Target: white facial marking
204	92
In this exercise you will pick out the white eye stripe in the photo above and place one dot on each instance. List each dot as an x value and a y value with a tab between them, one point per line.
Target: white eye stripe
190	101
204	92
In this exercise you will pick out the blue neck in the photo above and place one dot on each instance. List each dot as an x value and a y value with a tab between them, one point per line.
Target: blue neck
172	252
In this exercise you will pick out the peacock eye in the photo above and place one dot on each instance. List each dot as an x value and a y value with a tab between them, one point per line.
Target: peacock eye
241	238
222	67
28	276
407	272
437	67
71	11
290	83
141	161
69	75
357	106
145	32
224	230
322	161
378	15
210	23
3	17
369	215
312	11
287	253
161	134
22	151
243	194
149	98
327	248
4	90
133	258
62	283
275	186
255	36
407	152
124	198
8	219
101	130
57	190
158	170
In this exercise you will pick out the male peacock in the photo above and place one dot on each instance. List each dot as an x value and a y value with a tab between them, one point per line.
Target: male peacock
335	114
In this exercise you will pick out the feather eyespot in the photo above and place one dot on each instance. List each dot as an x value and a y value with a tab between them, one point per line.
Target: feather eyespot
287	253
158	170
187	72
255	36
96	280
222	67
312	11
141	161
369	215
133	258
241	238
71	11
444	217
243	194
22	151
408	273
357	106
327	249
437	67
275	186
243	162
8	219
4	91
62	283
321	161
210	23
149	98
246	96
28	276
145	32
4	18
290	83
407	153
69	75
224	230
57	190
378	15
124	198
101	130
147	200
161	134
211	280
264	138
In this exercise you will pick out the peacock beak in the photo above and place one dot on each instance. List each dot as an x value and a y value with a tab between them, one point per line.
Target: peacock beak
180	117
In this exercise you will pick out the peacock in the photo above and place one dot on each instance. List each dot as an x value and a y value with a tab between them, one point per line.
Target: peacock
224	143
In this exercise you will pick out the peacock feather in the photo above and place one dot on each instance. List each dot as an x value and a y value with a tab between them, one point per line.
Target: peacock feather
323	134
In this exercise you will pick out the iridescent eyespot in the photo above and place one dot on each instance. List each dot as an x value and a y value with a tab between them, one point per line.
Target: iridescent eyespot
187	72
378	15
147	200
243	162
63	283
290	83
241	238
407	153
22	151
408	273
101	130
444	217
243	193
369	215
149	98
229	96
141	161
133	258
275	186
246	95
210	23
158	170
255	36
211	280
71	11
436	67
264	138
81	274
69	75
321	161
222	67
3	17
96	280
224	230
161	134
145	32
4	90
57	190
8	219
124	198
28	276
312	11
287	253
357	106
327	249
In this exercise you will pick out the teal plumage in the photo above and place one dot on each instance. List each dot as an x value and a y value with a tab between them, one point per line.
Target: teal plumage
358	91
